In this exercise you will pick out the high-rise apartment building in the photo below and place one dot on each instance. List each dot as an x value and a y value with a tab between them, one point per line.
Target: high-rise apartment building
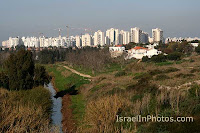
31	42
136	35
144	37
112	36
78	41
13	42
157	35
124	37
86	40
99	38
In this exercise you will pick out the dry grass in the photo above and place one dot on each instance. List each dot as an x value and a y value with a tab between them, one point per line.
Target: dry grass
101	115
25	111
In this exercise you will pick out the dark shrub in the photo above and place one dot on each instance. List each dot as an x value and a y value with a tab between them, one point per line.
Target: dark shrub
136	97
197	49
139	75
41	77
155	72
120	73
4	81
145	59
191	60
174	56
195	70
171	69
159	58
181	75
162	77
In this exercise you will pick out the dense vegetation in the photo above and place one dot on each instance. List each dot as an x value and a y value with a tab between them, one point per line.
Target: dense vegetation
20	72
25	105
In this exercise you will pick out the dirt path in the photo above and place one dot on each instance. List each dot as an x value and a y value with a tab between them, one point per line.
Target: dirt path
76	72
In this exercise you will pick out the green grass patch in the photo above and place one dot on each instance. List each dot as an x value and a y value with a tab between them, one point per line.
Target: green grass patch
61	81
139	75
120	73
78	107
136	97
164	63
83	70
1	69
108	69
179	62
113	67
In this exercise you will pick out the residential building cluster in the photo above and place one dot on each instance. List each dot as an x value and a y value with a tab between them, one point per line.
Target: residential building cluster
112	37
137	52
180	39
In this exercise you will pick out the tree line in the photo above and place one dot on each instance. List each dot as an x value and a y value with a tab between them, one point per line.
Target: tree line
93	58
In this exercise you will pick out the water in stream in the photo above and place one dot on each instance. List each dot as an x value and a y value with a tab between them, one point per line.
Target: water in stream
57	106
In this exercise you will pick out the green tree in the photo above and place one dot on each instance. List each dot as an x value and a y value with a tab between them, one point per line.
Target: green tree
41	77
4	81
174	56
145	59
158	58
197	49
130	45
19	68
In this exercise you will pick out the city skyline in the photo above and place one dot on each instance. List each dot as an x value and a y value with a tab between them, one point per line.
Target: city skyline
109	37
178	18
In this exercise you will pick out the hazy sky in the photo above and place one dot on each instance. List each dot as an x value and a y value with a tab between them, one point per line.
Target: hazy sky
29	17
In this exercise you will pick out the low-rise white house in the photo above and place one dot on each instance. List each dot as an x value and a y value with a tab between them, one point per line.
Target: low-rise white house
195	44
139	52
116	50
136	52
151	52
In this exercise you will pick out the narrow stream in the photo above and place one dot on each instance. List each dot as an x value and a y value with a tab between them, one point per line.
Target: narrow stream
57	106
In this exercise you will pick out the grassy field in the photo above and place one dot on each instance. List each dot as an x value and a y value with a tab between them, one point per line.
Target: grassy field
110	68
25	111
133	90
63	77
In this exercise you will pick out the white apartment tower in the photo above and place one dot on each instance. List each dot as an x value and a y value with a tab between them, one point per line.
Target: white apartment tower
136	35
31	42
86	40
99	38
157	35
112	36
78	41
13	42
124	37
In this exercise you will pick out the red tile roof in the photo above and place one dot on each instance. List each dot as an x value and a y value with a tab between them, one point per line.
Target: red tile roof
137	47
118	45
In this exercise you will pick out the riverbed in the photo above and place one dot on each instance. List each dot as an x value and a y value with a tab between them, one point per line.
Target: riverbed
56	108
